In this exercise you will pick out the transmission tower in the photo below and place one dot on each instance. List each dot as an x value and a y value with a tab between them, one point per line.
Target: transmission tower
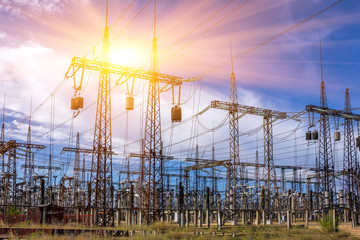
52	128
269	174
77	162
151	178
349	151
77	169
100	191
101	165
11	167
233	171
29	159
2	136
326	161
11	174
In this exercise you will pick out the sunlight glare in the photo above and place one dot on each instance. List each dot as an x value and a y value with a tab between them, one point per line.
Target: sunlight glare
126	57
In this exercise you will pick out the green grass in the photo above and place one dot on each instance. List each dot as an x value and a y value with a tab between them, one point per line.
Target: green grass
327	222
166	231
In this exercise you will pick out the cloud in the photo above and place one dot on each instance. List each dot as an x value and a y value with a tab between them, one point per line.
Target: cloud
26	8
3	34
39	38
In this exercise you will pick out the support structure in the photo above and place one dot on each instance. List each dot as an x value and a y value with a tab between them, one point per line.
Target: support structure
233	173
10	172
77	169
29	158
101	167
2	136
151	179
268	117
269	174
326	160
349	165
326	164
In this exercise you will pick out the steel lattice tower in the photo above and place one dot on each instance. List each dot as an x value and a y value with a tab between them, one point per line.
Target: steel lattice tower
2	138
233	174
29	165
349	151
101	165
326	161
197	174
83	180
269	174
11	173
151	179
77	162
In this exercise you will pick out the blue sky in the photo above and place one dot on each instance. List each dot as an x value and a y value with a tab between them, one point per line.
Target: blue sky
39	38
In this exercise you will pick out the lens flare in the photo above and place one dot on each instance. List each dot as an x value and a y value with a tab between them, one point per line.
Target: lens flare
126	57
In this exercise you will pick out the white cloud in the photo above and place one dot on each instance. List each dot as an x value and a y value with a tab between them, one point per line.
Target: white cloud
25	8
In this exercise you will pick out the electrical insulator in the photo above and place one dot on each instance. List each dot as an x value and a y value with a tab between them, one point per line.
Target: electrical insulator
129	104
341	198
79	102
315	135
337	136
308	136
76	103
358	142
327	199
73	105
176	114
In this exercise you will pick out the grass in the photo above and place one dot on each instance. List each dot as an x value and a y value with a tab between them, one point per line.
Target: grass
259	234
167	231
327	222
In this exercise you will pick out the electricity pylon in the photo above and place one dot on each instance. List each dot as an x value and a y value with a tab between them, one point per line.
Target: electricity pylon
2	136
100	186
29	158
151	182
349	152
326	160
101	165
269	175
151	178
233	173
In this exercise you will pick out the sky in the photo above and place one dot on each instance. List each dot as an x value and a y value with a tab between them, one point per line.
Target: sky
38	39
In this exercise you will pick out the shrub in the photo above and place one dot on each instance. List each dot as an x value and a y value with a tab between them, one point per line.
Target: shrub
14	211
327	222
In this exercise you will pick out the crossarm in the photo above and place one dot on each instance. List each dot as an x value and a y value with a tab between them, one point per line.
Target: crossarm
83	63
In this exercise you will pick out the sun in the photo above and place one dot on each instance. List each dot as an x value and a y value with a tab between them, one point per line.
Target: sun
126	57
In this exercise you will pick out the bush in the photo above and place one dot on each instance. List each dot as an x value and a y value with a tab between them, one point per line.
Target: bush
327	222
14	211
